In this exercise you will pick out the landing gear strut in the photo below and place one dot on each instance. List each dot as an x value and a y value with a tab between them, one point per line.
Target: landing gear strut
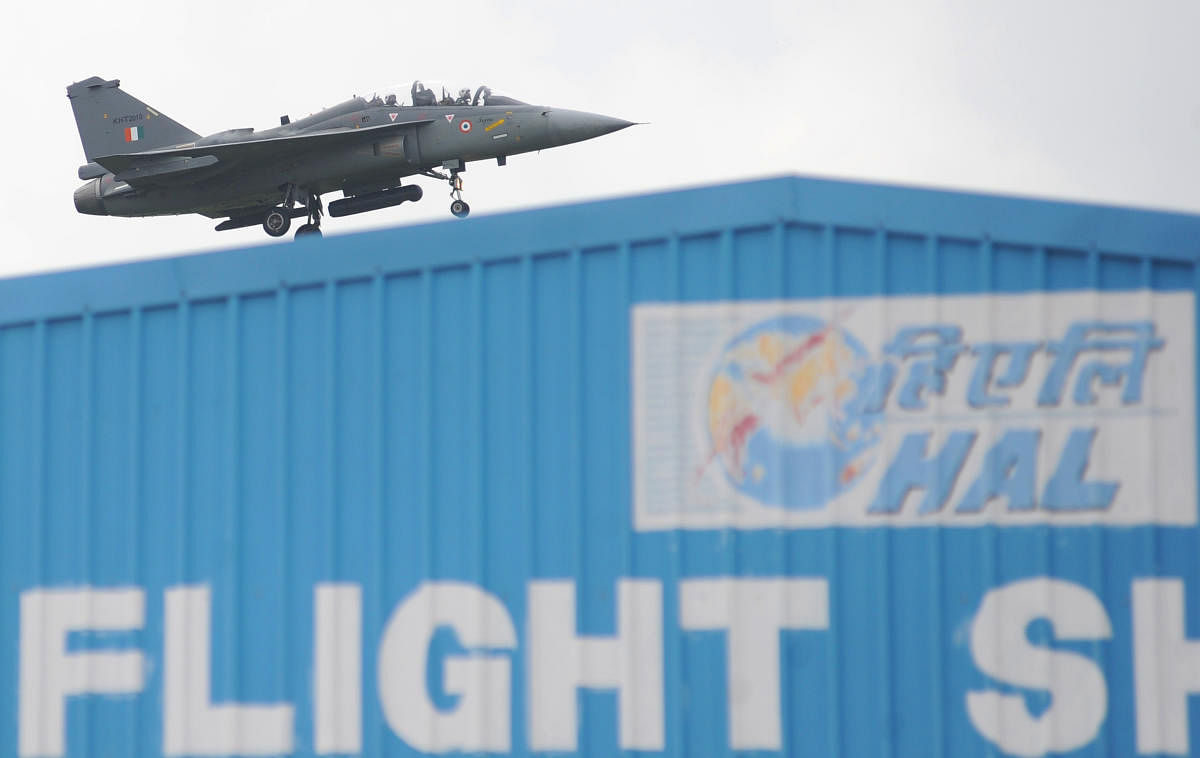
312	228
458	206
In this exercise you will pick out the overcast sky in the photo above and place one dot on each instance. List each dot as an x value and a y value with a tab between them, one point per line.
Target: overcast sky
1095	101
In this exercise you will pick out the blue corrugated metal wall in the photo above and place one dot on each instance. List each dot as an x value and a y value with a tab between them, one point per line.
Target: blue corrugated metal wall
453	402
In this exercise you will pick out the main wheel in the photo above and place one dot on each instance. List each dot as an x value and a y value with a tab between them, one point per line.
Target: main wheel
308	230
277	222
460	208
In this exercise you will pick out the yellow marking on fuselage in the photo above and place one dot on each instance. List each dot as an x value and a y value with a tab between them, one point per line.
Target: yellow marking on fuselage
493	125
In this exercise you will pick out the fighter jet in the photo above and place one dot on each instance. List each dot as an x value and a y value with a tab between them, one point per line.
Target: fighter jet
142	163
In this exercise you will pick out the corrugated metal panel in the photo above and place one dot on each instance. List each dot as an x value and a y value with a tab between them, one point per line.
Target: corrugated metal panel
610	477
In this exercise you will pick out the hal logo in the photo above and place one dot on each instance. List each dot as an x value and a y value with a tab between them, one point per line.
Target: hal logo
1058	408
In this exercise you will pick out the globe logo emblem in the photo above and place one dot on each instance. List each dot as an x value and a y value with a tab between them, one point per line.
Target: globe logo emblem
784	412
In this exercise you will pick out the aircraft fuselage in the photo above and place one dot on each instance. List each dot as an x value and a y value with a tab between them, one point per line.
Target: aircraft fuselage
460	133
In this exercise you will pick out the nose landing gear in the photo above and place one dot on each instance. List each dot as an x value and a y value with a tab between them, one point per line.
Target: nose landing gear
458	206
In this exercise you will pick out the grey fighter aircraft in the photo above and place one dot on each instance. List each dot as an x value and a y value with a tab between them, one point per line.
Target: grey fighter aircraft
142	163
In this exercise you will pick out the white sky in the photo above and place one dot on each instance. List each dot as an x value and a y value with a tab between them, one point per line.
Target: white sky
1073	99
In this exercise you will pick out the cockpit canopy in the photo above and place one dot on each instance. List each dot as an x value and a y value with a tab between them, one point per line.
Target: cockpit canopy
429	92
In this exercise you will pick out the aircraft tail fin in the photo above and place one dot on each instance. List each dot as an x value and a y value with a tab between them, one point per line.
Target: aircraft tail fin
111	121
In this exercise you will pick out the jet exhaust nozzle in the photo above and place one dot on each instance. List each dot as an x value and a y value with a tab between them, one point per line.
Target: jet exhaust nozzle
373	201
87	199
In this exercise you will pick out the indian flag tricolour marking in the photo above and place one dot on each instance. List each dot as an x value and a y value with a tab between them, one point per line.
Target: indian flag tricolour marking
134	133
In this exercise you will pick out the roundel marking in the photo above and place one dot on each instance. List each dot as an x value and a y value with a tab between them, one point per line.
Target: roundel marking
464	126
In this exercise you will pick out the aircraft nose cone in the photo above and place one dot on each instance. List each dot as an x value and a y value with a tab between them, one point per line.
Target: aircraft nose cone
576	126
87	199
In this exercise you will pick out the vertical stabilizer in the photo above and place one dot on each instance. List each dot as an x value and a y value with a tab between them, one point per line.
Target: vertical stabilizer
113	122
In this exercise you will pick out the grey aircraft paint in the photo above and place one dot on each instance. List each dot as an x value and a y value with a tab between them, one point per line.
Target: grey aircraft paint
142	163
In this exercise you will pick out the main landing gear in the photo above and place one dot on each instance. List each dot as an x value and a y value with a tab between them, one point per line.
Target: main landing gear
312	204
279	219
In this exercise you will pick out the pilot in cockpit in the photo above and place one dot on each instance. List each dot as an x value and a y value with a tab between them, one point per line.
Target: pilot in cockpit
390	100
464	97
